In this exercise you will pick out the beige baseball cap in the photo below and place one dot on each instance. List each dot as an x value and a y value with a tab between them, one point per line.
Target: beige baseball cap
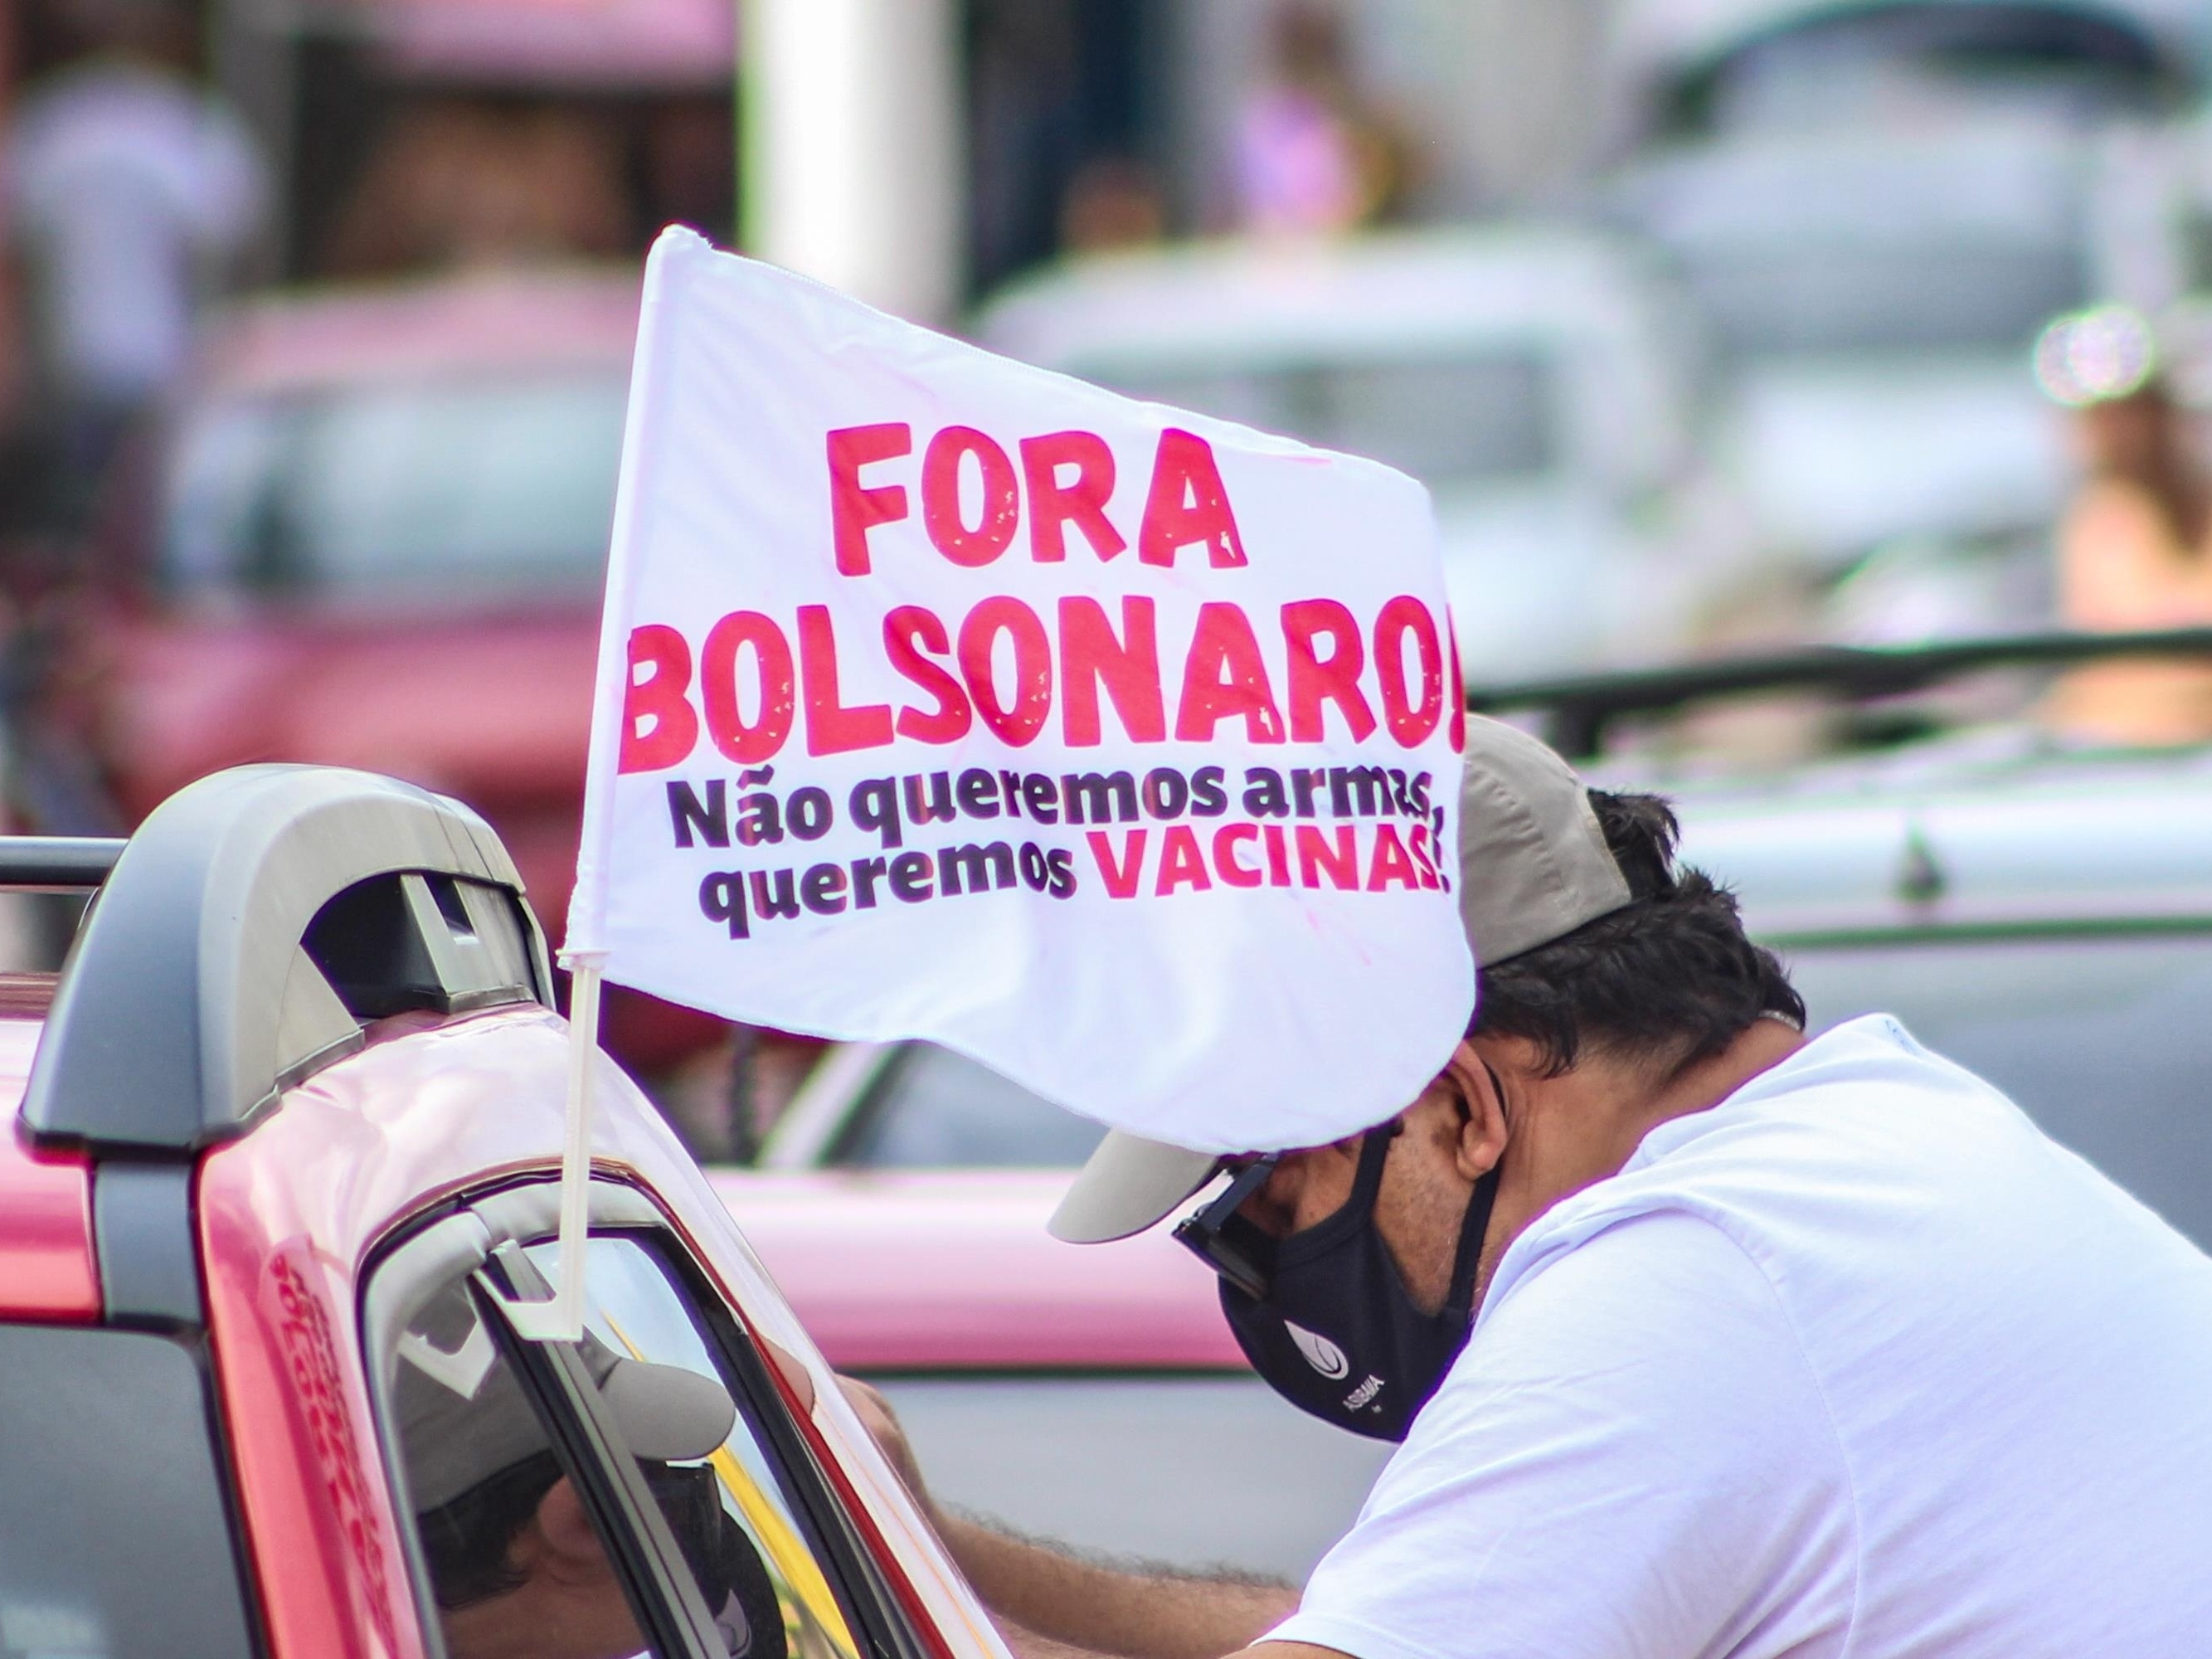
1534	866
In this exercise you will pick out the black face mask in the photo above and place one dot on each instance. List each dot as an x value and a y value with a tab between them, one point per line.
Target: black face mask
732	1580
1332	1328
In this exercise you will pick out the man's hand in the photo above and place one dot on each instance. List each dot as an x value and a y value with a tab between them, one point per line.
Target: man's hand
1052	1604
883	1425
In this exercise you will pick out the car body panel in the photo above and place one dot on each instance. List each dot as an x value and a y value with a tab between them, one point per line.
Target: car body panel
1960	838
290	1216
911	1270
1656	50
46	1208
1840	455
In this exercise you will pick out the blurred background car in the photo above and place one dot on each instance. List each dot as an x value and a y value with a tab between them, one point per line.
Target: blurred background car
370	530
372	512
1538	378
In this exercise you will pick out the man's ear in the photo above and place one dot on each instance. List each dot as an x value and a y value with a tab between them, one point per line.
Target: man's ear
565	1527
1484	1129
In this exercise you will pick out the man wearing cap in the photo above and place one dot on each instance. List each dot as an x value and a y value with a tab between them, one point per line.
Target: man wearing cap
1702	1337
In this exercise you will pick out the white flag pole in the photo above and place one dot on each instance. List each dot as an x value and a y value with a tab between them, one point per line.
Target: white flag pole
562	1320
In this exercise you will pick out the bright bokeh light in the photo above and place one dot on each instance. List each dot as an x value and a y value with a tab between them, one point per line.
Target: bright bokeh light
2094	355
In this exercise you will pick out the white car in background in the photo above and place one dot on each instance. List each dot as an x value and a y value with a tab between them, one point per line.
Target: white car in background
1875	206
917	1106
1538	380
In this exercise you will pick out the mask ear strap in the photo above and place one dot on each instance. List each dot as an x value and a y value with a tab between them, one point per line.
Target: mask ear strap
1367	1180
1471	1233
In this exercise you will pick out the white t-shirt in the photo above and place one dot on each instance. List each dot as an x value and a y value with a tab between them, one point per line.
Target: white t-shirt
123	184
1858	1361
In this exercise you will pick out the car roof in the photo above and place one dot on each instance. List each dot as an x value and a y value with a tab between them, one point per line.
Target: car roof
309	338
953	1270
1652	45
1388	294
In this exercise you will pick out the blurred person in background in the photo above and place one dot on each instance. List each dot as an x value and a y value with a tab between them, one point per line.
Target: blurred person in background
2134	544
1113	202
1312	152
131	195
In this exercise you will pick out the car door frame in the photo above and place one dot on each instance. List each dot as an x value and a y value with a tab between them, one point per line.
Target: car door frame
491	1229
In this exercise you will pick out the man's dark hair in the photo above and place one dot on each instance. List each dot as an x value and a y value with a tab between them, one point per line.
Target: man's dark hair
1668	980
465	1541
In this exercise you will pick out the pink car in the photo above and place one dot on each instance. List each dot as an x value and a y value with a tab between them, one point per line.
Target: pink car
278	1161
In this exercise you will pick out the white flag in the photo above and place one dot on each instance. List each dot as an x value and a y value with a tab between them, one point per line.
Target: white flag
940	696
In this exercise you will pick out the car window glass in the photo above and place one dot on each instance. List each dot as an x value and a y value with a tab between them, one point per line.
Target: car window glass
1819	299
933	1108
1445	419
729	1504
512	1547
2102	1042
466	485
115	1543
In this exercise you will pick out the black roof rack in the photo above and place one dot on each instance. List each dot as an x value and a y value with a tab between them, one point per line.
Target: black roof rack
56	863
246	934
1577	709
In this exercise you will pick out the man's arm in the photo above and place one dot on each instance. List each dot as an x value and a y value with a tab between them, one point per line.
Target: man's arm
1148	1614
1054	1603
1027	1644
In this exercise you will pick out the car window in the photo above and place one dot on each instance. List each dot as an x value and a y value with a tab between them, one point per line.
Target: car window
115	1539
932	1108
2101	1040
1819	298
635	1309
525	1524
501	482
1444	419
513	1533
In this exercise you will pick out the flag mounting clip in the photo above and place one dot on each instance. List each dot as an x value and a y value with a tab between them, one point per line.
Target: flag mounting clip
561	1319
